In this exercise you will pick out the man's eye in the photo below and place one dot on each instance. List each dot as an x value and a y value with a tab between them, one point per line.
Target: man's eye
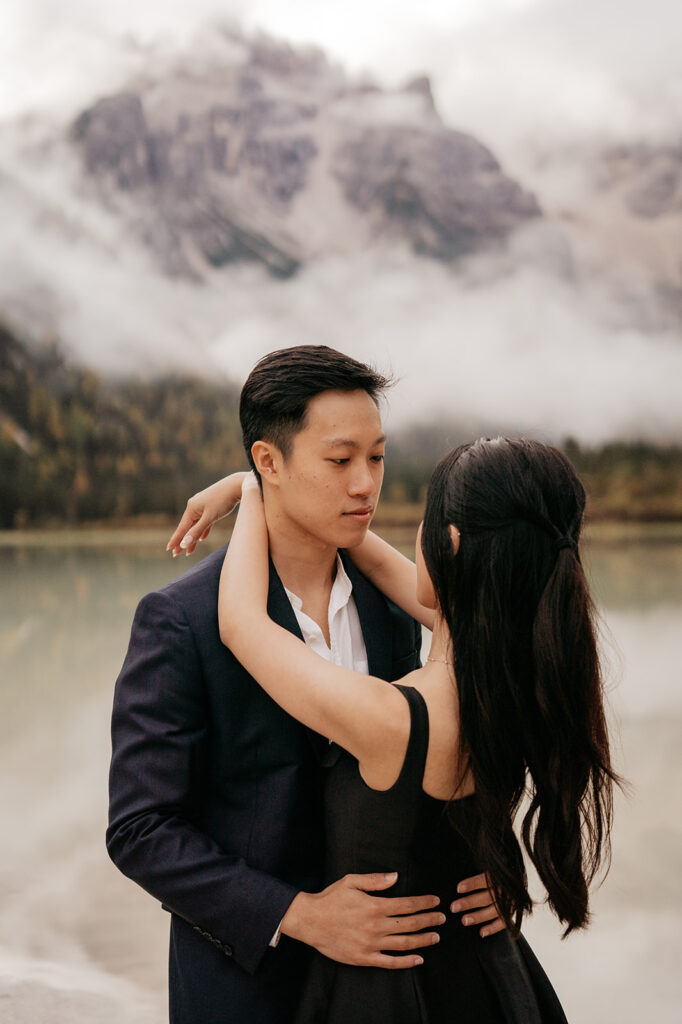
340	462
377	458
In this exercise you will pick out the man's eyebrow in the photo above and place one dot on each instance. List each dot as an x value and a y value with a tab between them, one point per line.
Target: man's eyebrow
337	442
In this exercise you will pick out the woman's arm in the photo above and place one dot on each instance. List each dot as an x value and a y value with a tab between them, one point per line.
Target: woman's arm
392	574
345	706
204	509
389	571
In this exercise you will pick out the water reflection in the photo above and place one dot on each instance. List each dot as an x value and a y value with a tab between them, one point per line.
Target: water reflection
65	614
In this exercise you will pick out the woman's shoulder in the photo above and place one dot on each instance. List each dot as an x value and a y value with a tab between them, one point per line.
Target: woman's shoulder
443	777
415	709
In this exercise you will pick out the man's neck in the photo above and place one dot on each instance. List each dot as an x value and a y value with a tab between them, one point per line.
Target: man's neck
305	565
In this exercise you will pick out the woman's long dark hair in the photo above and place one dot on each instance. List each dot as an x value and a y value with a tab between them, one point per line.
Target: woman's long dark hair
521	619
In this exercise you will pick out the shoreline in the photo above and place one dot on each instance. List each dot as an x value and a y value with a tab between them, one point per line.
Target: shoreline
391	521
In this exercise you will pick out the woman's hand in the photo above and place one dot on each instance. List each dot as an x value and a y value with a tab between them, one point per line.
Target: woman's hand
204	509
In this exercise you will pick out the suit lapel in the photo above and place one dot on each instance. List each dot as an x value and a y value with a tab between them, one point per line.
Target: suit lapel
375	620
281	612
279	605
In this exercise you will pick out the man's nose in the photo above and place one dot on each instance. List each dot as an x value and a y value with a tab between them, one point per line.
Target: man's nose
362	482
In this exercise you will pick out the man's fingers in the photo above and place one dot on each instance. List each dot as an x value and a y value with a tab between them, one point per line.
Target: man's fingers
480	916
393	963
404	905
420	940
483	898
371	882
475	882
414	923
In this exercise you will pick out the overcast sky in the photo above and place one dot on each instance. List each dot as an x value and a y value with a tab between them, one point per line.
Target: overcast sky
509	68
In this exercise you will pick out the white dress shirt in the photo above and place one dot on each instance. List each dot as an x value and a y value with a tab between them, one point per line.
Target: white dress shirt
345	633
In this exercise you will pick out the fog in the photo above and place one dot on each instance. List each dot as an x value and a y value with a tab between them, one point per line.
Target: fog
508	69
525	350
516	340
553	337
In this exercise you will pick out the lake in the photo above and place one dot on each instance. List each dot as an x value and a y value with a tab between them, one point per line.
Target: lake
80	942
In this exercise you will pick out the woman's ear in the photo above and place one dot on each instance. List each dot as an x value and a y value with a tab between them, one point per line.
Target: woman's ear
264	455
454	537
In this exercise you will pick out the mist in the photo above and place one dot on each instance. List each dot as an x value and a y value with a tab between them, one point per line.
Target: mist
507	340
566	332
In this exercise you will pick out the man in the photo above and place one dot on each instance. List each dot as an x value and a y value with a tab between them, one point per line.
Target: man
215	791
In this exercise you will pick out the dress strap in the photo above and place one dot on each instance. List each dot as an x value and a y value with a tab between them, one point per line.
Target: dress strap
418	743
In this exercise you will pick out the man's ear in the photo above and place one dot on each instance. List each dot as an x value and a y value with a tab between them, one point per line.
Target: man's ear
454	537
267	460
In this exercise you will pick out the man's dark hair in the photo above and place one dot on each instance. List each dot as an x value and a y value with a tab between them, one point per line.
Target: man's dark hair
275	397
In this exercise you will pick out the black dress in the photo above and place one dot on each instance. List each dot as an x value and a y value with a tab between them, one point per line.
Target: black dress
464	979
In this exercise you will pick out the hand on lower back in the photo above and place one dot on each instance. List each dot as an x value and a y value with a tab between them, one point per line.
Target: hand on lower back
348	924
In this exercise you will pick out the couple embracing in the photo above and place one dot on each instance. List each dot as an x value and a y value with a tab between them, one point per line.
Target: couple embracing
326	819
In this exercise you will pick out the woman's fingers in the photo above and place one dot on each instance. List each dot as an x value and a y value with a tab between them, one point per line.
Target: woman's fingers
193	527
197	532
188	520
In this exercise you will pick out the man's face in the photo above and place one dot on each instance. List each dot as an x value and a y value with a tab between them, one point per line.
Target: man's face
329	484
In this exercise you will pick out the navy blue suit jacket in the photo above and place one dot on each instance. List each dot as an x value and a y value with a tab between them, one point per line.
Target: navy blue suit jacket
215	794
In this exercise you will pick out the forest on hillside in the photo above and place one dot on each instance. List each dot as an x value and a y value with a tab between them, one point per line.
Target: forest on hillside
75	447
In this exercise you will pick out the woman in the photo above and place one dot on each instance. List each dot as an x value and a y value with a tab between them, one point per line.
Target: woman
433	771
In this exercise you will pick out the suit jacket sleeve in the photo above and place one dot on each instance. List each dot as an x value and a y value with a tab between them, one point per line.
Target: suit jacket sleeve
159	736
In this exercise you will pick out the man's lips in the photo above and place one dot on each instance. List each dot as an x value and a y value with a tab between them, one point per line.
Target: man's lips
360	513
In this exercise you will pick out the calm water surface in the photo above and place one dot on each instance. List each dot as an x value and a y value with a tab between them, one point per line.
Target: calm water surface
79	942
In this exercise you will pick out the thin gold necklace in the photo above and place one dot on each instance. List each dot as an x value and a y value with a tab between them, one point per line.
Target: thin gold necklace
444	661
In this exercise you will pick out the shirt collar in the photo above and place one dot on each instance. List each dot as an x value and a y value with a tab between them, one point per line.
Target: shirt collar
342	588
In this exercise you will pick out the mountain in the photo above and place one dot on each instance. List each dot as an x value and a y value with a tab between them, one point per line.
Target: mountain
267	153
242	195
620	208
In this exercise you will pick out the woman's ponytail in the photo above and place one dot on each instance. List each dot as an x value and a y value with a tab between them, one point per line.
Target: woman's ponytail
529	684
566	828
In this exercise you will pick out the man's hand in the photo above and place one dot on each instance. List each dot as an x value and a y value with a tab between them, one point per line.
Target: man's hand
346	924
479	906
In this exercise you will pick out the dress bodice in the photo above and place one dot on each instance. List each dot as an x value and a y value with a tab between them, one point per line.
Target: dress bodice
465	979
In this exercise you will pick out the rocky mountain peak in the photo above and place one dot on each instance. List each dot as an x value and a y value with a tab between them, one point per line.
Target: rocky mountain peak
265	151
